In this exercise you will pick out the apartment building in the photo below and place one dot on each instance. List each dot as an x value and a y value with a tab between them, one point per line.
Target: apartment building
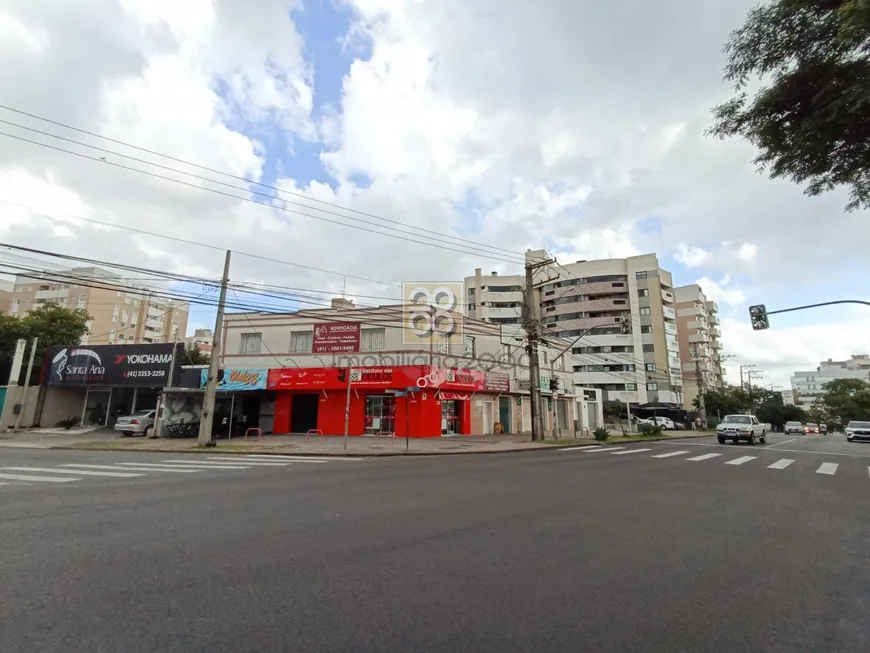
496	299
121	313
623	312
699	336
808	387
472	384
201	338
6	288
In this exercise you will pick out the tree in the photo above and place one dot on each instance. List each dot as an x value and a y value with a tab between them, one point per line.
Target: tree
810	122
195	356
844	400
51	323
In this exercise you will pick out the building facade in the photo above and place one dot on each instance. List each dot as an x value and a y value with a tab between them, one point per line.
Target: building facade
808	387
699	336
202	339
326	364
120	312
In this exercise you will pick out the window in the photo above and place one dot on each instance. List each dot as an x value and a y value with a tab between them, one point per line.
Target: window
640	275
648	349
650	367
645	310
652	385
544	358
645	328
618	285
631	387
250	343
642	292
301	342
469	346
443	344
372	339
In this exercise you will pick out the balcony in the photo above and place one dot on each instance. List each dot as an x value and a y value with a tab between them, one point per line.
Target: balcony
712	307
713	318
716	333
667	296
699	337
698	324
715	344
689	312
498	312
669	313
671	328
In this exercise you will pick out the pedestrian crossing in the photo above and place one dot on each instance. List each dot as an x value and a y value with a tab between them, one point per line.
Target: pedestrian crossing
12	475
823	468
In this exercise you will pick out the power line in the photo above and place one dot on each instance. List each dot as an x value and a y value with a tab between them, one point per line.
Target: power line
223	173
435	243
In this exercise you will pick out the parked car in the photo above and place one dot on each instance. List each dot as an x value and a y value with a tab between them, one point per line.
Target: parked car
811	428
664	423
741	427
857	431
793	427
139	423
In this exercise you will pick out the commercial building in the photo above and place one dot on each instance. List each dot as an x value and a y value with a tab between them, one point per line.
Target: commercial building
698	335
326	363
121	313
808	387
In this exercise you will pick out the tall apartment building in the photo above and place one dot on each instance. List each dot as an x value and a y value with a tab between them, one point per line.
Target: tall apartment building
591	299
699	336
120	312
809	386
6	288
202	339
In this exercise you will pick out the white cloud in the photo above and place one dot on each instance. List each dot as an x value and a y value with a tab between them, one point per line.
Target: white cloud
515	126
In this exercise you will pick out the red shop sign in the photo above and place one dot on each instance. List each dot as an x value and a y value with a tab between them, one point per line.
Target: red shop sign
336	338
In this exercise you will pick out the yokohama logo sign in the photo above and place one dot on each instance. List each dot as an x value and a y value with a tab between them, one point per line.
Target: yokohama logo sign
143	359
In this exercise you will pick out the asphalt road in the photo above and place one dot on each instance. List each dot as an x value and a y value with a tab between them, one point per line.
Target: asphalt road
616	550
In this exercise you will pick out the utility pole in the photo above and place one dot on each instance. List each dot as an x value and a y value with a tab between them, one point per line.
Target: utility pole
530	324
20	414
205	424
699	379
743	367
12	388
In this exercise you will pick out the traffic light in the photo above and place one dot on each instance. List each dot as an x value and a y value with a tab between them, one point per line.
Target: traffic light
758	317
554	384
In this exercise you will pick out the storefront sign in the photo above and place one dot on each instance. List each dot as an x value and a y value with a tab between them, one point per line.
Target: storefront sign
121	365
497	382
336	338
335	378
238	379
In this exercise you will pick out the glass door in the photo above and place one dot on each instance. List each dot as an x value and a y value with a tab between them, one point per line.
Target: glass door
449	417
380	414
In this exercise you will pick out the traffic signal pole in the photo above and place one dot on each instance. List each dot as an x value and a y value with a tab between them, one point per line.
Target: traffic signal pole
758	314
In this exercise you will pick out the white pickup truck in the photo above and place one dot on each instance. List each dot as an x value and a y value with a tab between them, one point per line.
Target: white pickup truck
741	427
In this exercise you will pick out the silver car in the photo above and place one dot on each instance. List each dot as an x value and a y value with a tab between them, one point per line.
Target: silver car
139	423
794	427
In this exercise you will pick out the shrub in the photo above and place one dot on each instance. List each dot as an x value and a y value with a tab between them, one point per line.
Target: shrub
649	430
68	422
601	434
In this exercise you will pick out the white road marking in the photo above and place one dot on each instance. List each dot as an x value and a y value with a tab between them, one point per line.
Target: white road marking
258	463
622	453
779	443
37	479
673	453
136	469
196	466
593	449
741	460
781	464
815	453
706	456
54	470
828	468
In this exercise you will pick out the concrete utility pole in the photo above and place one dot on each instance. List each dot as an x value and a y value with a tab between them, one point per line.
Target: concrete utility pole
20	414
530	324
12	387
743	367
205	424
699	379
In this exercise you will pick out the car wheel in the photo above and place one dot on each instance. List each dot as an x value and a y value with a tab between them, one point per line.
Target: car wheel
848	439
763	440
721	440
751	439
146	432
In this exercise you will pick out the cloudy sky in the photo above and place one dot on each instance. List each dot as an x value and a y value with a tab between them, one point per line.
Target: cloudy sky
570	124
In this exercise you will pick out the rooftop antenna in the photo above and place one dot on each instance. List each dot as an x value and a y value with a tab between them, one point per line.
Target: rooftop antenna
343	286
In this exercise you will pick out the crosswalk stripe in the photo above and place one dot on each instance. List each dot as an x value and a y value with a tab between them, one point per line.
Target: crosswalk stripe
54	470
706	456
134	469
598	449
741	460
256	463
672	453
37	479
298	459
622	453
828	468
196	466
781	464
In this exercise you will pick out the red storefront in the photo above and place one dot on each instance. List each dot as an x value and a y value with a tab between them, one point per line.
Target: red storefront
315	398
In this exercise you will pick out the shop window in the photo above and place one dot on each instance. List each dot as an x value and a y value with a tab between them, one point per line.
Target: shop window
301	343
380	414
251	343
372	339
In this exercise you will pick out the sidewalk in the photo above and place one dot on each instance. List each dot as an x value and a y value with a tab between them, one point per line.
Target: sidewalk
50	438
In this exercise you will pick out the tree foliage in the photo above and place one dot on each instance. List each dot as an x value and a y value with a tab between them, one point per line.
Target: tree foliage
195	356
810	122
765	404
52	324
844	400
